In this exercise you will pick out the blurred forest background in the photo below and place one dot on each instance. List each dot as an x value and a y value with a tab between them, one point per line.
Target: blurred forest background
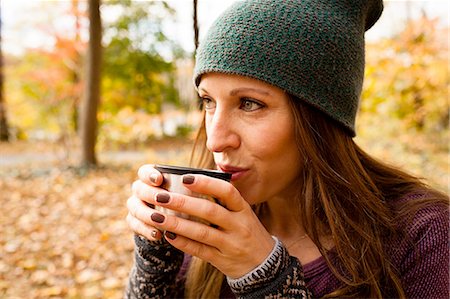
106	86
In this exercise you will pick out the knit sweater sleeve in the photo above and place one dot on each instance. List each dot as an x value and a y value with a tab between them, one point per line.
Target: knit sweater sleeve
279	276
154	273
425	262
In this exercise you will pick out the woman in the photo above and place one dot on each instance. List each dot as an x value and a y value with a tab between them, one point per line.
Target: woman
307	213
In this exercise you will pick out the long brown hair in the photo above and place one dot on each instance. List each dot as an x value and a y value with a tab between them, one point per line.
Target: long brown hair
346	195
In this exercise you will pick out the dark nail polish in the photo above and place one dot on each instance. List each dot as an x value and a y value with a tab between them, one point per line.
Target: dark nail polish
170	235
150	205
158	218
153	178
162	197
188	179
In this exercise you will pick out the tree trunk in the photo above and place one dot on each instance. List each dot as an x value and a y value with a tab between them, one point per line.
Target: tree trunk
4	130
88	113
195	25
75	71
196	40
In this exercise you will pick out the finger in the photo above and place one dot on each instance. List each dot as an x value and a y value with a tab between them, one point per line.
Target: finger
149	175
192	247
193	230
202	208
138	209
227	194
141	228
144	191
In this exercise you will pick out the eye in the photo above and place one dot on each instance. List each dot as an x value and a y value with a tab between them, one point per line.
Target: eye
250	105
208	104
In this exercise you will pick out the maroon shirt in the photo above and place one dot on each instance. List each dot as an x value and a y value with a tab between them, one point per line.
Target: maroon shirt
422	262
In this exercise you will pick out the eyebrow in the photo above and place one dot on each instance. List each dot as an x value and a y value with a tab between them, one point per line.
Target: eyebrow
202	89
246	89
242	89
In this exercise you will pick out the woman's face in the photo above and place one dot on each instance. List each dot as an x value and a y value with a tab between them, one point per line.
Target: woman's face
250	131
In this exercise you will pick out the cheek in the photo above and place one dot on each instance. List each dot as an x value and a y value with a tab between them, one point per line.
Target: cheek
284	163
278	165
279	145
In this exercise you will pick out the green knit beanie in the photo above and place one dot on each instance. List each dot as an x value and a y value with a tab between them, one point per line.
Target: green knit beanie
312	49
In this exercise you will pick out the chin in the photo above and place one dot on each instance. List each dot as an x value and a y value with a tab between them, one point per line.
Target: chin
250	197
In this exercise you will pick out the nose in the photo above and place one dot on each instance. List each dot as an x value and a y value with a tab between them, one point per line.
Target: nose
221	131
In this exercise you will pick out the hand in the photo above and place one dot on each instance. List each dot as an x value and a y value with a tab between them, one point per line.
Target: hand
140	204
237	243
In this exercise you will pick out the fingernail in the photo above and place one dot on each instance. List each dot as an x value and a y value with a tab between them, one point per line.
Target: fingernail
158	218
162	197
153	178
150	205
170	235
188	179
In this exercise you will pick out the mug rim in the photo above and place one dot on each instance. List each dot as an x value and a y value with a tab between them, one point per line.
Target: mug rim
181	170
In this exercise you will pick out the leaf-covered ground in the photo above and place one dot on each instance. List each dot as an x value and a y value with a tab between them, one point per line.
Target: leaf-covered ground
63	229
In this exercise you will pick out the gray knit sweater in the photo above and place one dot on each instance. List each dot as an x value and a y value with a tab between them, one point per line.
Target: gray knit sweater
421	257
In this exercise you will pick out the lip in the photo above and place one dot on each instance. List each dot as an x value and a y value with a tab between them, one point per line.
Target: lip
236	172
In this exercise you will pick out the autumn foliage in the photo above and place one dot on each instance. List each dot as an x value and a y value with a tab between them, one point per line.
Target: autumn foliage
408	79
63	229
